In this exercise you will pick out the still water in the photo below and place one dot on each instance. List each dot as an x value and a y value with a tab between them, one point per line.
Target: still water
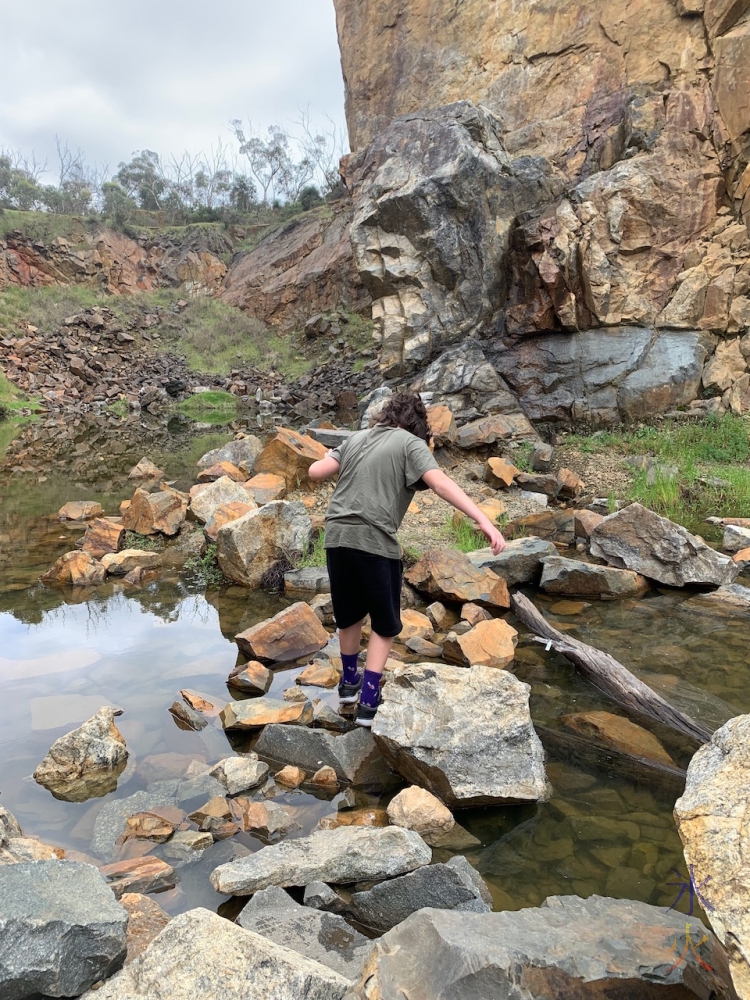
64	654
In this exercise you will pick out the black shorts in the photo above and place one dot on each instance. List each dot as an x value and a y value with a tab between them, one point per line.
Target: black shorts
362	584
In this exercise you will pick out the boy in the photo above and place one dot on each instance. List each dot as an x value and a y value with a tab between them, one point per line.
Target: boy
379	471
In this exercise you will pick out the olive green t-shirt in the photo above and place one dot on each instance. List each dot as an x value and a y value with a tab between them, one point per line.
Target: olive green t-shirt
380	471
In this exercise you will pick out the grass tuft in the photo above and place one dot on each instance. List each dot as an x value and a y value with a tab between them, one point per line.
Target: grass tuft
205	569
465	538
149	543
316	555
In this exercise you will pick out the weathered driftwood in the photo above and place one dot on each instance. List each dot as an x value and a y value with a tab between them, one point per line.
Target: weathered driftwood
607	674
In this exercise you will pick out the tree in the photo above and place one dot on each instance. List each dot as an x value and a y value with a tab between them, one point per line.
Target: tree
143	179
271	163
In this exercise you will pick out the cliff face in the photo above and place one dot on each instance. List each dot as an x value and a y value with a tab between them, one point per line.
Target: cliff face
525	170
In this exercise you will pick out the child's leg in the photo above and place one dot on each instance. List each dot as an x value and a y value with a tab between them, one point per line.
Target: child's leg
349	641
378	650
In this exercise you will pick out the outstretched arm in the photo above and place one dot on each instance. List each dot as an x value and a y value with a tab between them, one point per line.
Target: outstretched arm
324	468
444	486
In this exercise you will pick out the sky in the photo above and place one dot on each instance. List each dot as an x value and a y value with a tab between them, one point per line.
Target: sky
168	75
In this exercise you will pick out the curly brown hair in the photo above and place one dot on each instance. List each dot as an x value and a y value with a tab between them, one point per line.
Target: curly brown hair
405	410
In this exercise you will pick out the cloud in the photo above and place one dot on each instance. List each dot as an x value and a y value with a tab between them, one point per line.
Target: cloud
161	74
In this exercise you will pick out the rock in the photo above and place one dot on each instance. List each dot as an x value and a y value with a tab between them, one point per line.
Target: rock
473	614
239	774
735	539
550	525
372	405
319	674
75	569
225	514
163	766
349	854
414	624
568	607
354	817
725	367
326	718
466	735
254	713
519	562
80	510
541	458
325	777
84	755
289	455
266	487
146	920
451	886
500	427
417	809
292	633
151	826
113	815
439	615
329	437
322	897
145	469
268	820
493	509
205	503
141	875
353	756
251	677
323	937
9	827
637	539
450	576
102	536
200	950
25	849
289	776
618	732
250	546
214	472
186	717
569	485
241	452
423	647
61	929
307	582
294	694
742	559
489	644
579	579
584	523
122	563
547	484
186	844
442	425
150	513
500	473
562	948
322	605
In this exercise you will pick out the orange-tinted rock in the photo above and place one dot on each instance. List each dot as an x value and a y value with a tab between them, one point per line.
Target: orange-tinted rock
289	455
290	776
266	487
325	777
251	677
449	576
584	522
199	703
618	732
489	644
76	569
473	614
254	713
319	674
148	826
417	809
146	920
150	513
220	469
414	624
142	875
355	817
499	472
102	535
80	510
497	427
569	484
223	515
551	525
124	562
742	558
145	469
493	509
442	425
292	633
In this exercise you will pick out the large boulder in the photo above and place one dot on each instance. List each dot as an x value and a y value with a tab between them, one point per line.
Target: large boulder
61	929
466	735
712	821
637	539
241	452
248	547
489	643
519	562
205	500
200	953
124	562
254	713
348	854
353	756
324	937
75	569
79	761
448	575
292	633
102	535
150	513
564	948
289	455
574	578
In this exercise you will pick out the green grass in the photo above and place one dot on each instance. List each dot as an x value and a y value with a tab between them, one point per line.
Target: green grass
118	409
149	543
463	536
205	568
316	556
46	226
11	398
214	407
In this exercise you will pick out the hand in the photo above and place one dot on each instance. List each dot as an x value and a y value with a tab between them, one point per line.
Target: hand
496	540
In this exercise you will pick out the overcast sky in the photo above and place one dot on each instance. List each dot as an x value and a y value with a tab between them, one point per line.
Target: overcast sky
166	75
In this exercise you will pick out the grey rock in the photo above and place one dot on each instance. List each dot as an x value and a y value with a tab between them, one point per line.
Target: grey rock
241	453
61	929
452	886
668	376
371	405
735	539
541	458
564	948
307	582
464	734
110	822
324	937
240	774
463	379
347	854
203	506
574	578
323	897
195	790
248	547
200	954
187	845
636	538
327	437
354	756
77	762
9	826
728	599
322	605
519	562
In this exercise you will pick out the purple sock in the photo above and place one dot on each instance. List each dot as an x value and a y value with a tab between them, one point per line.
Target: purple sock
351	673
370	689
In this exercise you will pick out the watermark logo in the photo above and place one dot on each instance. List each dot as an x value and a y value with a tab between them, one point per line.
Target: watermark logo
688	884
689	946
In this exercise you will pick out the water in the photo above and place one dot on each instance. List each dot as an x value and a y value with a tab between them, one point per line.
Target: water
66	653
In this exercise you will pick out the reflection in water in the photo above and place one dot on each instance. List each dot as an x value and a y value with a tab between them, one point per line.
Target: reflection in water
64	651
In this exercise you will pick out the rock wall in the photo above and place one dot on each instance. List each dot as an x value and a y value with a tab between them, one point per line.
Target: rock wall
527	174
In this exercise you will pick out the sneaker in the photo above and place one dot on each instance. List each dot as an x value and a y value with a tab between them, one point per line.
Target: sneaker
365	715
349	693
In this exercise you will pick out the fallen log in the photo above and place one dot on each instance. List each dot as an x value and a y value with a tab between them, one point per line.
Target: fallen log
607	674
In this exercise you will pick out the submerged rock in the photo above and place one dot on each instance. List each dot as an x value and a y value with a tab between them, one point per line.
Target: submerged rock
84	755
61	929
201	954
348	854
635	538
618	732
465	734
292	633
353	756
250	546
712	820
